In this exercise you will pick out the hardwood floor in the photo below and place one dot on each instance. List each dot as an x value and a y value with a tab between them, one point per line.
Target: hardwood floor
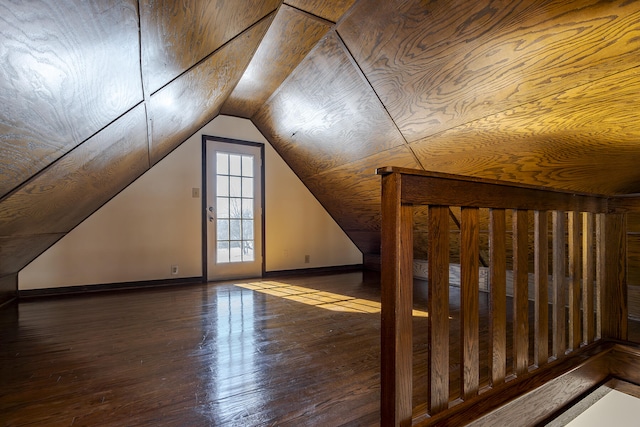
290	351
200	355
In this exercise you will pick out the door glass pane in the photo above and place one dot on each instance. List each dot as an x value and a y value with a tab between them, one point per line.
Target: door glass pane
222	185
247	187
235	251
247	208
223	229
235	167
223	207
222	164
247	230
223	252
235	186
235	229
247	254
235	207
247	166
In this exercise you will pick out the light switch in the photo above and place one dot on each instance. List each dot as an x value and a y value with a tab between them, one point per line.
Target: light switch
195	193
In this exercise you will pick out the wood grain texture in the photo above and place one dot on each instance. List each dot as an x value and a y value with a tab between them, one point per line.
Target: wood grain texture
17	251
575	279
520	293
55	202
189	102
558	138
434	188
326	115
290	38
588	277
469	315
177	35
543	394
396	299
613	286
351	195
198	355
600	271
331	10
438	309
482	57
541	298
498	294
69	68
558	297
624	362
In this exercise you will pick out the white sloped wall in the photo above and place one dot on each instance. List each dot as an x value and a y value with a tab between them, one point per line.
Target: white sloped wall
155	223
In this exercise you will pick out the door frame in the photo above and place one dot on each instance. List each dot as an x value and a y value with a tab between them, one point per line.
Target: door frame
203	198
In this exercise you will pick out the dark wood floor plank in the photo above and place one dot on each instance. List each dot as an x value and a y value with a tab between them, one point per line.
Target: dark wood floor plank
231	354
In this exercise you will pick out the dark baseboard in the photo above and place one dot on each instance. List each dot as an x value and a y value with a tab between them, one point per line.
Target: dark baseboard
107	287
316	270
110	287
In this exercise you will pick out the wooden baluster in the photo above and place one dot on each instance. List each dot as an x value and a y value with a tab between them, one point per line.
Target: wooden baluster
469	313
541	265
397	303
520	292
558	317
588	321
612	241
498	296
574	281
599	272
438	307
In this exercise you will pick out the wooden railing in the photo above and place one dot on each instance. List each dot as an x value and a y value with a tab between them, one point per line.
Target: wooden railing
587	297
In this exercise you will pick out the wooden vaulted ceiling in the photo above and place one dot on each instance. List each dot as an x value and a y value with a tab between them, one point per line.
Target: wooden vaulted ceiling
93	93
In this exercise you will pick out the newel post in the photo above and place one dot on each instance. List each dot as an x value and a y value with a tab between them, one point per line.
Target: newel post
612	274
397	303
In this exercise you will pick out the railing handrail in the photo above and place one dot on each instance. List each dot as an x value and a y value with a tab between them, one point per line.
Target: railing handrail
403	188
458	190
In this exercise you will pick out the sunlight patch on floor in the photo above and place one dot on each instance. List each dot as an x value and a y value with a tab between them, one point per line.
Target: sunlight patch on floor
317	298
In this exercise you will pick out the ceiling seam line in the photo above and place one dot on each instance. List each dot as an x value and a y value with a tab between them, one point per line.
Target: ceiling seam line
65	154
364	77
213	52
146	97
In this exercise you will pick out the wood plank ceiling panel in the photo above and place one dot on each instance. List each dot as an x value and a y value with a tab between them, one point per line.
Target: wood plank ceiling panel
18	251
290	38
437	65
178	34
189	102
569	140
331	10
326	115
75	186
69	68
351	194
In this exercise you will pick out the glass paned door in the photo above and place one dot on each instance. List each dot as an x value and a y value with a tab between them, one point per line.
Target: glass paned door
234	207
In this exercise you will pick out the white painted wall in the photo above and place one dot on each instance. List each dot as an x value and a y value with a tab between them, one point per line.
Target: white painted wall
156	223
